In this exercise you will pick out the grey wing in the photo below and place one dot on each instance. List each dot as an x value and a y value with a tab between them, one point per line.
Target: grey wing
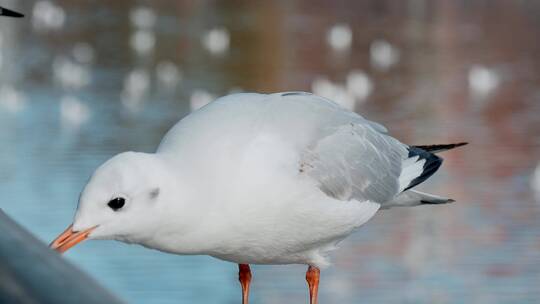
348	156
356	161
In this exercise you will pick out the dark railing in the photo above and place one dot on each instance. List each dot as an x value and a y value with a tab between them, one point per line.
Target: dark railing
32	273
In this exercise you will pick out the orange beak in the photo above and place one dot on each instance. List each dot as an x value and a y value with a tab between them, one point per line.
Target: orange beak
70	238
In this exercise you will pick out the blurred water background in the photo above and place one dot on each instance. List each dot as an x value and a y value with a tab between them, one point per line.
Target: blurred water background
83	80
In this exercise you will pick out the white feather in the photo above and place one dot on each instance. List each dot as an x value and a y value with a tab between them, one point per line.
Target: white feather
411	169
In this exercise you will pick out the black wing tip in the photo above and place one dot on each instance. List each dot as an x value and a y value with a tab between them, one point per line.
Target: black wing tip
448	201
440	148
9	13
432	161
431	165
459	144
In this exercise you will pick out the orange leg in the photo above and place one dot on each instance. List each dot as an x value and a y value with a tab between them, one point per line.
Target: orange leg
244	275
312	277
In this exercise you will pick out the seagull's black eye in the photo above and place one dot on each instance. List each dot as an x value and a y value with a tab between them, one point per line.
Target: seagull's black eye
117	203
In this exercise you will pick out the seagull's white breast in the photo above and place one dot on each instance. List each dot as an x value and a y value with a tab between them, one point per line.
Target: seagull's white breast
243	154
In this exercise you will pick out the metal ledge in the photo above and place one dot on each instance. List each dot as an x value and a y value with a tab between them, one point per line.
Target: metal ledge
30	272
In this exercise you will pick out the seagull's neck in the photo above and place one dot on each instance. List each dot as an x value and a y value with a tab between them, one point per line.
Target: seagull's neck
185	218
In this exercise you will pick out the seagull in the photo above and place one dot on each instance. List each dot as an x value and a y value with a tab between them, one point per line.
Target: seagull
255	179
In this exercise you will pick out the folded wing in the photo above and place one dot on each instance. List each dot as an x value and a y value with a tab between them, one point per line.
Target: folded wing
355	161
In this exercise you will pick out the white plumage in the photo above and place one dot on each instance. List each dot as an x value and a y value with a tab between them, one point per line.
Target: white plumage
256	179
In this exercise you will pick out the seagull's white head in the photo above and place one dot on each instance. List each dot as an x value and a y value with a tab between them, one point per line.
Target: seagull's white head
123	200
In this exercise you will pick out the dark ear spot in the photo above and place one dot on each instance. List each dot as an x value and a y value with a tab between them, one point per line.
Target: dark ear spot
154	193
